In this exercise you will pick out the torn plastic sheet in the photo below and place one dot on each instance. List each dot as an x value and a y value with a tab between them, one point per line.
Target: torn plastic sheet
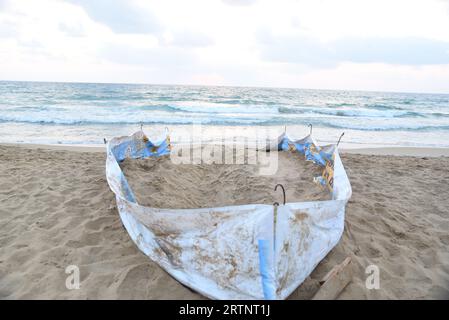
234	252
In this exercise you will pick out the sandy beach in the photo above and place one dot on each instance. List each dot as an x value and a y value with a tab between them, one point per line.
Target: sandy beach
56	209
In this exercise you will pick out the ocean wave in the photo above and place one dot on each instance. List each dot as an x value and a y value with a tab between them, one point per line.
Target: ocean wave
342	104
214	108
161	107
110	105
380	106
389	127
352	112
408	102
397	126
439	114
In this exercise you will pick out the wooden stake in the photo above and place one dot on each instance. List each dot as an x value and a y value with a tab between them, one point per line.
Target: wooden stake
335	281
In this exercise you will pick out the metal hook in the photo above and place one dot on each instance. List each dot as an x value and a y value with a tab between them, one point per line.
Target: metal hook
283	191
310	125
340	138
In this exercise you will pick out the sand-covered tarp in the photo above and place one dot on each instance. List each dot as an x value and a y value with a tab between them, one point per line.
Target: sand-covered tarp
253	251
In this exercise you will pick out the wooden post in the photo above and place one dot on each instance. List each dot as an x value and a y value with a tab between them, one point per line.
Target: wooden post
335	281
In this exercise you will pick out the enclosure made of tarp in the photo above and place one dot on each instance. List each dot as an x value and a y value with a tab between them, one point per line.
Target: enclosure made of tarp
253	251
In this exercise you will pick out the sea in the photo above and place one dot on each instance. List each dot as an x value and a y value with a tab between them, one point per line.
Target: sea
87	113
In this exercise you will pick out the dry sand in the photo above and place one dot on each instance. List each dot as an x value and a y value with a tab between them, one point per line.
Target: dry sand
56	210
160	183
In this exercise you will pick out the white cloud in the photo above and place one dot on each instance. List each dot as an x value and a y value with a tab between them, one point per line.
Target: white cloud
187	38
292	43
120	15
307	51
239	2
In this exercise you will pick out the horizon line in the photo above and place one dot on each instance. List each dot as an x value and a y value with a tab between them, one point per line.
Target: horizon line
225	86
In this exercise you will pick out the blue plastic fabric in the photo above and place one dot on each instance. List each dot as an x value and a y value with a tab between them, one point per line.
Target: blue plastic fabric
308	148
145	148
268	286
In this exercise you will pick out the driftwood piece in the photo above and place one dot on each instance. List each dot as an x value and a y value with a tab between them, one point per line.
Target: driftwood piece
335	281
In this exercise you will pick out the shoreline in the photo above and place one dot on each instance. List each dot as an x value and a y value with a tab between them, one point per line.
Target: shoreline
378	151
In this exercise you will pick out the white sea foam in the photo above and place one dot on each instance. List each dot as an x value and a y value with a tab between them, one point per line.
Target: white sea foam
101	108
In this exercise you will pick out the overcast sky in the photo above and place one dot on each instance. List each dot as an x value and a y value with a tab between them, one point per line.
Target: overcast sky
394	45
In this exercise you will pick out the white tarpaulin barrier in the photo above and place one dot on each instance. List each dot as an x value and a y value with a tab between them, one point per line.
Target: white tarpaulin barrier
252	251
